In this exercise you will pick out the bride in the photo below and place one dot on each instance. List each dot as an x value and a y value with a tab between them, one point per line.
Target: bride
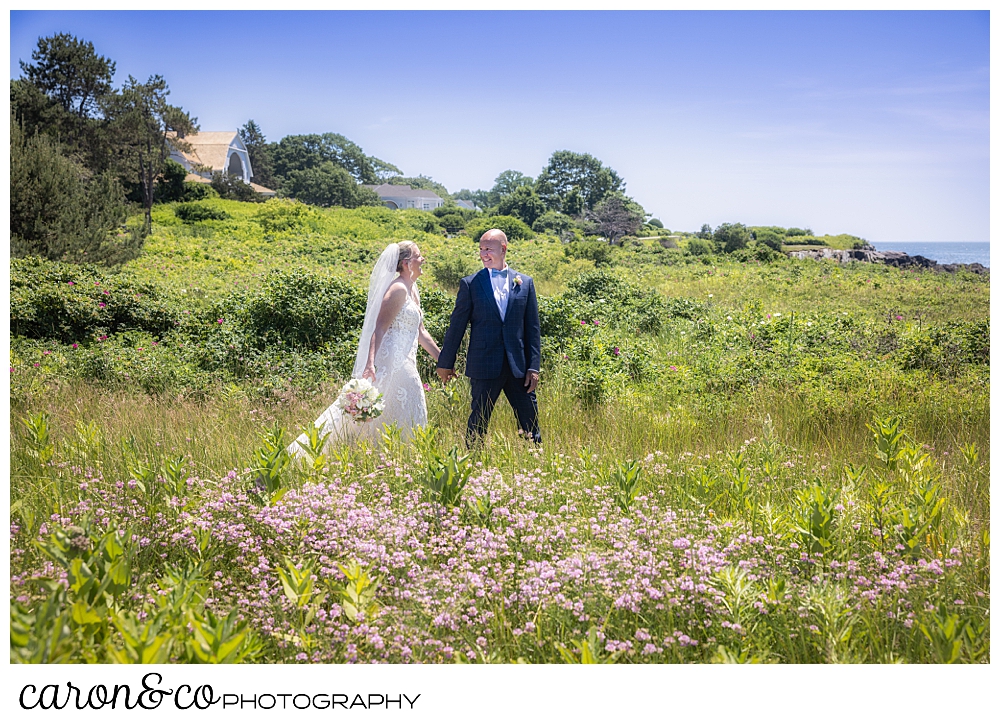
387	350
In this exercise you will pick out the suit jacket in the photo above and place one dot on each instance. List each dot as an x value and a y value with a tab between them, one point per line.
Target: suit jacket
518	335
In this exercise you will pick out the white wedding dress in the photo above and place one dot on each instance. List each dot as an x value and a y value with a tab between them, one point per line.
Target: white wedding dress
396	375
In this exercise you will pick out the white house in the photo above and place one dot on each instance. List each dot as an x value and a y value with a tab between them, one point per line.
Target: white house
212	151
405	197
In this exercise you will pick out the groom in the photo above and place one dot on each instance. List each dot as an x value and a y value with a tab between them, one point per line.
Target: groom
505	341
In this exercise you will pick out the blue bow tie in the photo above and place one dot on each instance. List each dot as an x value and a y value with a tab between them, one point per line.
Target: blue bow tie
498	273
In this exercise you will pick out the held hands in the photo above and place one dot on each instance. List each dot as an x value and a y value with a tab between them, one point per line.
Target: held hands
446	375
531	381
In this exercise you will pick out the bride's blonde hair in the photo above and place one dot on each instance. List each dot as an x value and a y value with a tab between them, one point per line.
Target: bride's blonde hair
405	252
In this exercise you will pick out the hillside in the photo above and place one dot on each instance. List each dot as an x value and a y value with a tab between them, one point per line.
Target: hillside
741	460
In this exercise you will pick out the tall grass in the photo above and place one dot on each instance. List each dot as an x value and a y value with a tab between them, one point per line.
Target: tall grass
801	474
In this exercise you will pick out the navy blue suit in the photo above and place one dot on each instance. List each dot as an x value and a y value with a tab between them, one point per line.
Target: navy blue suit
501	351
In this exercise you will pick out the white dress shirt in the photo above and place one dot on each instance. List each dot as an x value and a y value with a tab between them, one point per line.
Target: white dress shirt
501	289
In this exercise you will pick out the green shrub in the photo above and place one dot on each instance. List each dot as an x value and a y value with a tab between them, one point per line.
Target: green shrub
559	318
448	267
513	227
757	252
50	300
279	215
700	247
194	212
233	187
936	350
684	308
975	338
555	223
421	220
437	307
618	302
194	191
295	308
599	252
590	384
452	222
768	238
137	360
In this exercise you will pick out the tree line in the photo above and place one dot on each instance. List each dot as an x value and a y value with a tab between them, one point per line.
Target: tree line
85	154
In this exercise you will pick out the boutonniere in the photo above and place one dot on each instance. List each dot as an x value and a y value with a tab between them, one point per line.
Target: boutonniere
517	280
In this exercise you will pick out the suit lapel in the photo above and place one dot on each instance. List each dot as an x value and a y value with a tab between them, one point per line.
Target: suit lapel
515	289
486	285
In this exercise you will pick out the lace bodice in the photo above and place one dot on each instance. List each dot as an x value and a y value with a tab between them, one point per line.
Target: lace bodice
399	343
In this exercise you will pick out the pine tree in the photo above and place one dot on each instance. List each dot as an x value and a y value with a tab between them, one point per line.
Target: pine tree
60	211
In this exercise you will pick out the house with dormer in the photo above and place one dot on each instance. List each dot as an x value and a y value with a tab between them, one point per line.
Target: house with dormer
216	151
406	197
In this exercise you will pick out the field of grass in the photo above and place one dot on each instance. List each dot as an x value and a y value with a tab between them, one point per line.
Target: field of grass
742	462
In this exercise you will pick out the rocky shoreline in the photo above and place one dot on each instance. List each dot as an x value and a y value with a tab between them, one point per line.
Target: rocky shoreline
892	258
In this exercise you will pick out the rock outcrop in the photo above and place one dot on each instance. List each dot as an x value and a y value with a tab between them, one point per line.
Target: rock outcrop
892	258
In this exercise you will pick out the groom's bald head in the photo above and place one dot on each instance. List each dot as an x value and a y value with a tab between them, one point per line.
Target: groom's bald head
493	249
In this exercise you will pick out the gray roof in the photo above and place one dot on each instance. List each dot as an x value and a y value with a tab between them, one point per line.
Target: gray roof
391	190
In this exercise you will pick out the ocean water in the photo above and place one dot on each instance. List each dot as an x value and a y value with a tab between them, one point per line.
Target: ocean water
943	252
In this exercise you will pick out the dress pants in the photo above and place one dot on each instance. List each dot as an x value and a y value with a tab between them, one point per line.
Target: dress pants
485	394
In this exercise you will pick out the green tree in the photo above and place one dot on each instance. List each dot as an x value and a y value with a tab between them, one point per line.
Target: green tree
60	211
60	94
555	223
523	203
383	170
260	154
572	204
144	126
310	151
705	233
731	237
328	185
508	182
480	198
567	170
616	216
170	185
655	222
70	72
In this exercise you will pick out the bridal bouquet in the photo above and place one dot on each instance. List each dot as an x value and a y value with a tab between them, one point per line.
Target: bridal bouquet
361	400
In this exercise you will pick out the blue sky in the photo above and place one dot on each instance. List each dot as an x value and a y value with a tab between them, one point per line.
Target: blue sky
870	123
